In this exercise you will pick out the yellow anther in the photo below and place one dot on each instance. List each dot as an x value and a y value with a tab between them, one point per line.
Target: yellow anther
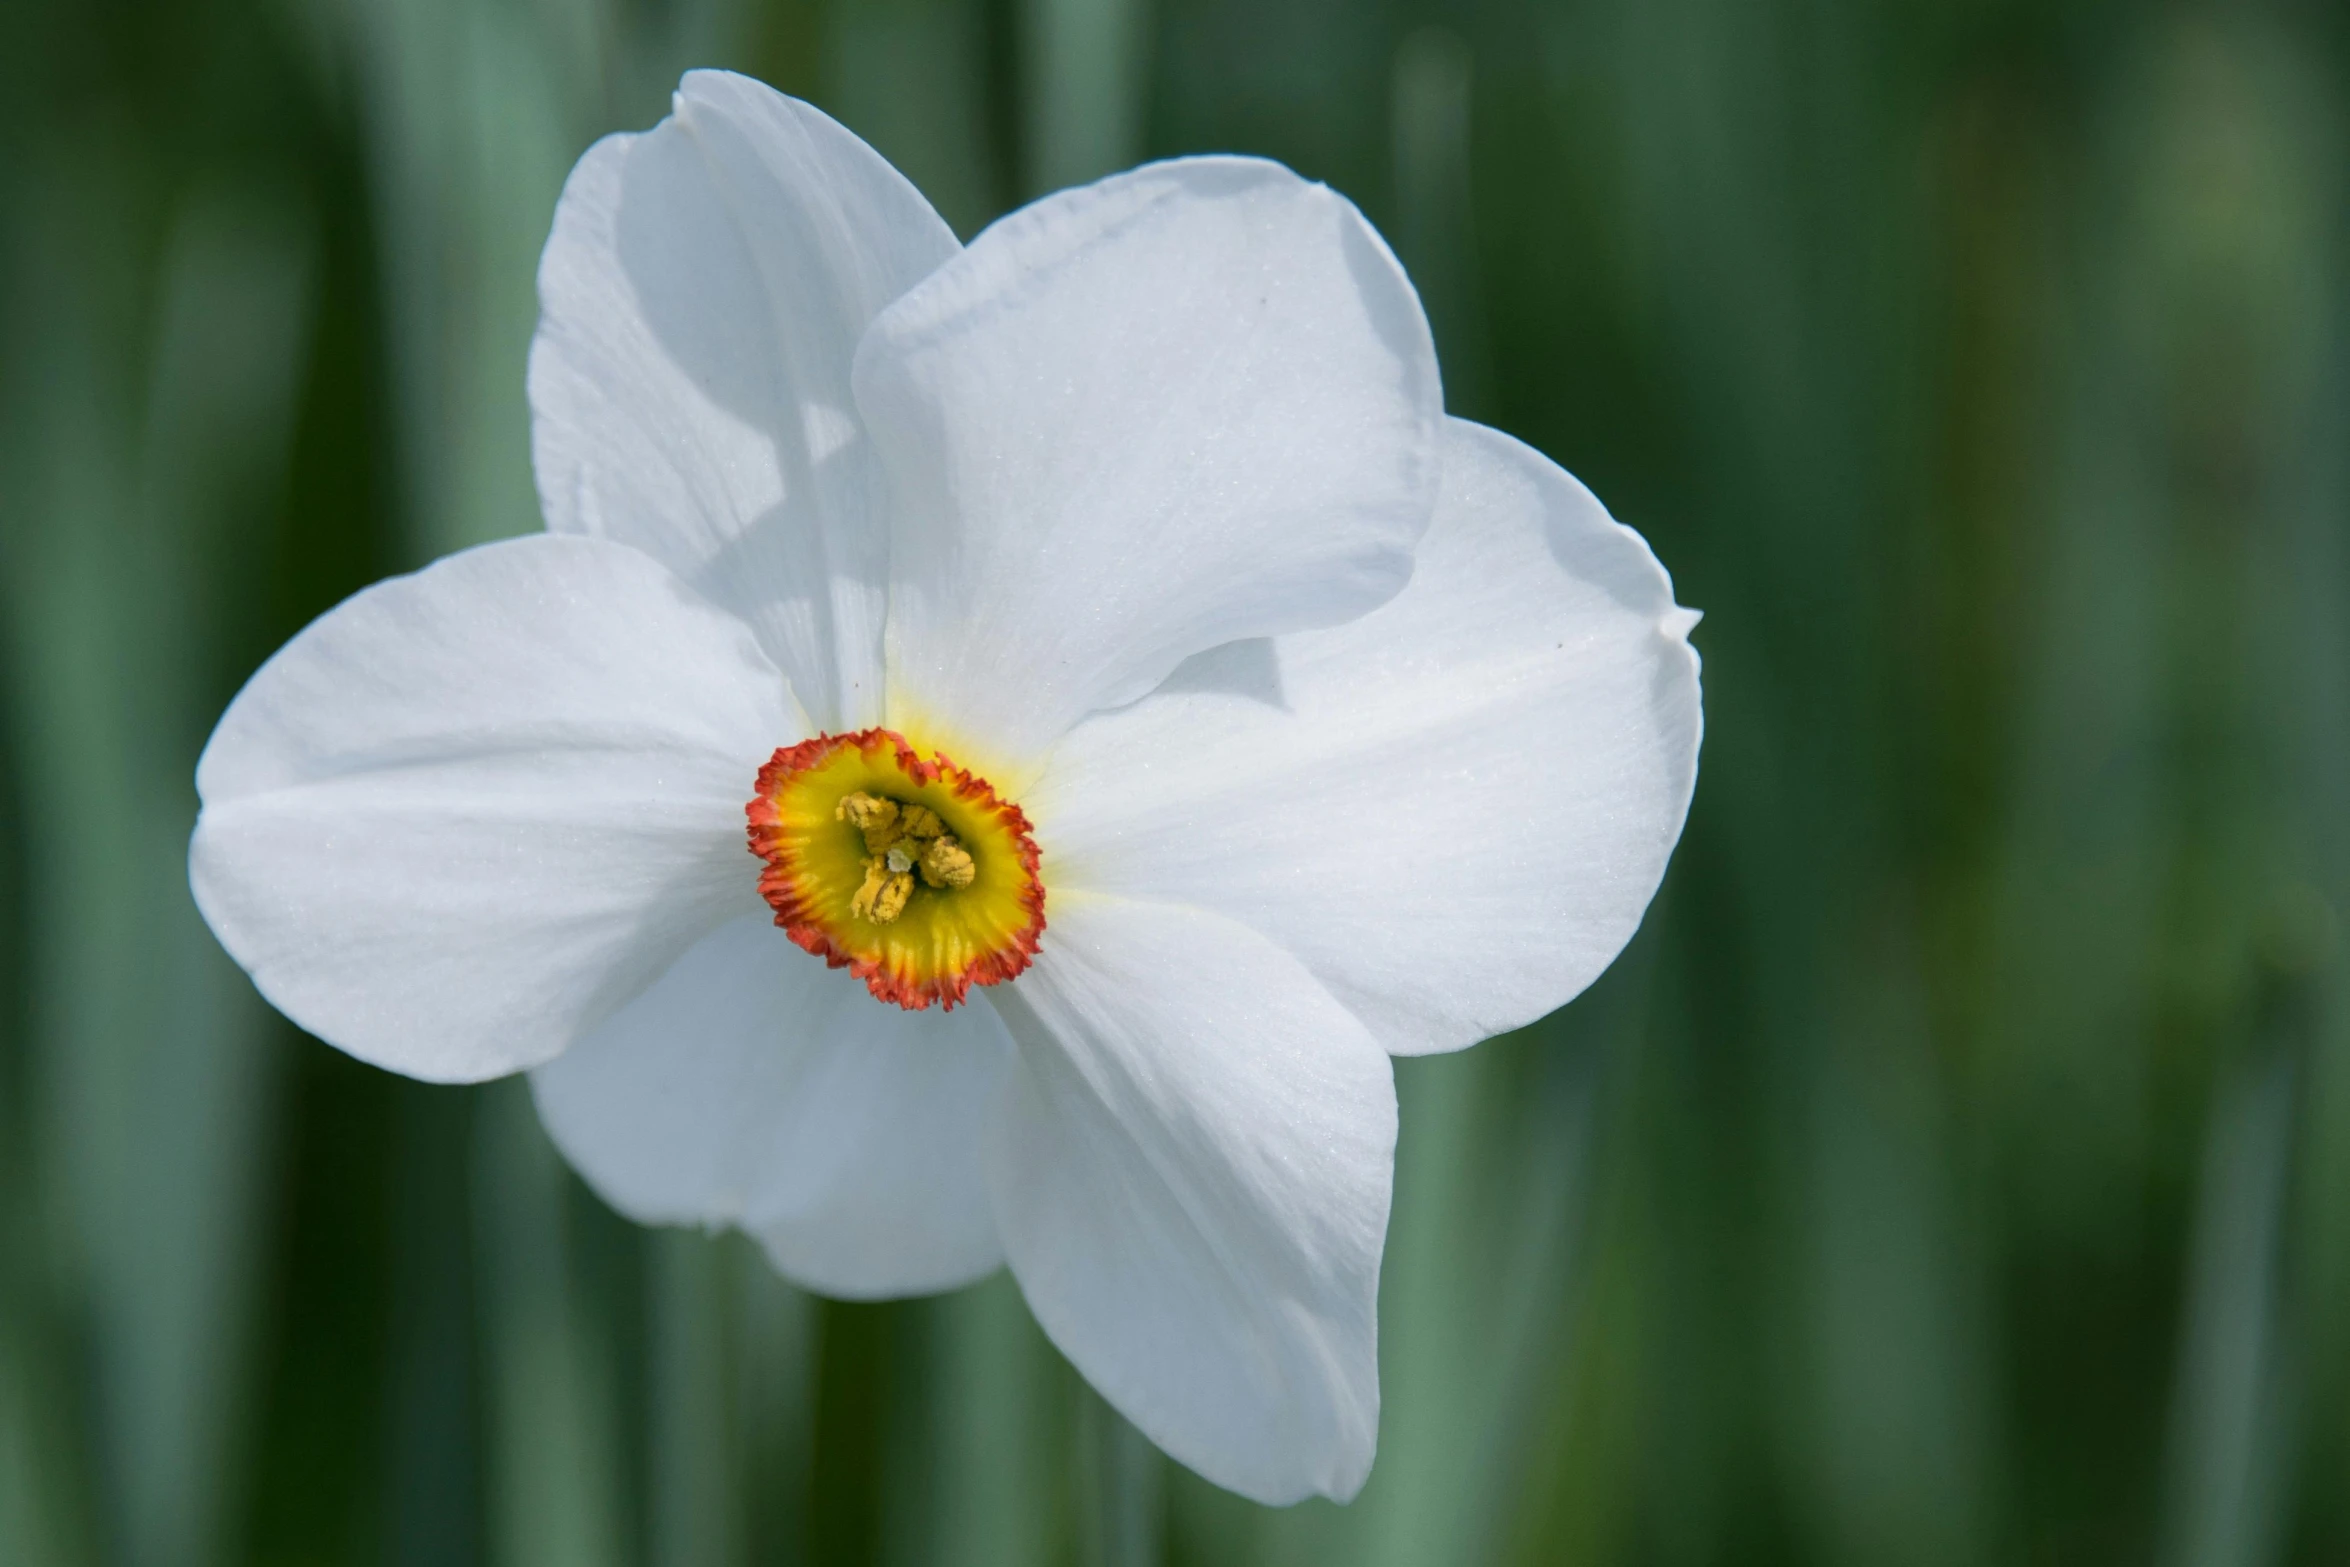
882	896
920	821
873	816
946	863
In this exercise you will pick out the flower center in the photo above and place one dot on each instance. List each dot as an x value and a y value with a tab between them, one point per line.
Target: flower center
901	840
909	872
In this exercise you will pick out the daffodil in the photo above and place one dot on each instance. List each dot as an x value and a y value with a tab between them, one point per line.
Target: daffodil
1146	711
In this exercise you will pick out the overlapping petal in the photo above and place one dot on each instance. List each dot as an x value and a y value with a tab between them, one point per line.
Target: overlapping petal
465	815
753	1086
1453	810
702	296
1132	421
1191	1179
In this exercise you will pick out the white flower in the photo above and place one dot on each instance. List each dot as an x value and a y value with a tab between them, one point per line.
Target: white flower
1274	724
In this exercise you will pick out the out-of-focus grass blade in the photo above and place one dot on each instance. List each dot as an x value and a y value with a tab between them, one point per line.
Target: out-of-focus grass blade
557	1489
431	1467
1773	337
1121	1482
774	1382
162	425
2228	1452
1083	65
40	1484
1429	120
690	1492
2230	162
912	78
993	1456
1893	1384
473	115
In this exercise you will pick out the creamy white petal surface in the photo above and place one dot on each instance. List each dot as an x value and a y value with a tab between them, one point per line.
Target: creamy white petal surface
465	815
702	296
1453	810
1192	1180
753	1086
1136	420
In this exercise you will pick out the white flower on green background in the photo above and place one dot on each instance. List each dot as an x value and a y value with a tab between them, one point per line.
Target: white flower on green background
1148	712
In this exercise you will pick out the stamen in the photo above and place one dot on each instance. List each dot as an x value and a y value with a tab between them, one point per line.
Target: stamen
902	867
876	818
882	896
946	863
899	838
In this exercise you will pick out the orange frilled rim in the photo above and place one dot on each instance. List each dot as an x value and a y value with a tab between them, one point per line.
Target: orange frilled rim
948	939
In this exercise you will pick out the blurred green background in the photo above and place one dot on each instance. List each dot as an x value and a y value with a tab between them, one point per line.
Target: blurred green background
1955	1170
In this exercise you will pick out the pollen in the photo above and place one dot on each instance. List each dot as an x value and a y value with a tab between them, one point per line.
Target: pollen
946	863
906	869
898	839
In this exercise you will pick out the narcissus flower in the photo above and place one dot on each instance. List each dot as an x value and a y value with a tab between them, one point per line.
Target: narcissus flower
1147	712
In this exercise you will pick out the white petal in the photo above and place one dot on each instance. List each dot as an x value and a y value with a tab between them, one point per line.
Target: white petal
1454	809
1191	1178
466	814
1187	404
702	295
753	1086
